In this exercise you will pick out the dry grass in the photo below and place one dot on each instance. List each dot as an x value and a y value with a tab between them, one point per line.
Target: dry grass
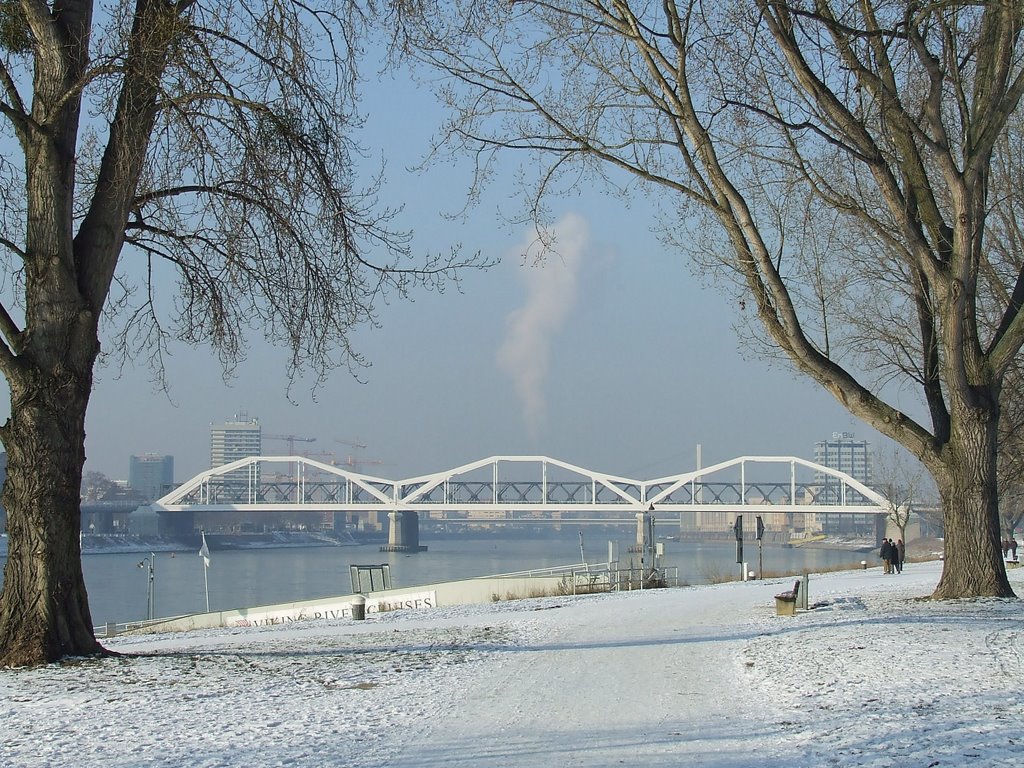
715	575
561	590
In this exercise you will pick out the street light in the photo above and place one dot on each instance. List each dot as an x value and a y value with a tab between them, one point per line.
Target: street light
150	562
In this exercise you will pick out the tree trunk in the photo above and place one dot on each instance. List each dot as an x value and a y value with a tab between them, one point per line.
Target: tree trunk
44	608
973	564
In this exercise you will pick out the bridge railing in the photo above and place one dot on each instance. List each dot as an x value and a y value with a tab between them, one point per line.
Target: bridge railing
588	578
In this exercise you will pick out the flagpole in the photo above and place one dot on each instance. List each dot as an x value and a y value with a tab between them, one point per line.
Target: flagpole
204	552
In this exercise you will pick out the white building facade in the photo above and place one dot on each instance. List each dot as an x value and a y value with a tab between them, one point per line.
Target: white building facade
235	438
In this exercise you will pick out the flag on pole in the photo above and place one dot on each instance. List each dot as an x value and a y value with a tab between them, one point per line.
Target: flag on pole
204	552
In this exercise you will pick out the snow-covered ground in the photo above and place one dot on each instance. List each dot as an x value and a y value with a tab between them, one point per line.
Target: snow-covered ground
704	676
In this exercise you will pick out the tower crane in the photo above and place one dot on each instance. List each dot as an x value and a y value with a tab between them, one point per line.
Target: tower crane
352	461
292	440
354	444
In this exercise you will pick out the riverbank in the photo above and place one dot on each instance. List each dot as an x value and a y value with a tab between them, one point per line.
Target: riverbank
871	676
110	544
834	542
98	544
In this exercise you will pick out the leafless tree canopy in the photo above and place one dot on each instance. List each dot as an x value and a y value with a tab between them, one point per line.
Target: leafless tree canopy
847	167
249	199
901	480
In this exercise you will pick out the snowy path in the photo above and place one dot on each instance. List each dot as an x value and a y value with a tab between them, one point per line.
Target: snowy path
639	679
705	676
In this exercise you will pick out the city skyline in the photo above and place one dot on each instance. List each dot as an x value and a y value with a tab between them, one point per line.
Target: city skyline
240	436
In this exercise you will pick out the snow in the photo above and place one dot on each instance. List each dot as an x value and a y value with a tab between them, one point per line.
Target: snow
708	676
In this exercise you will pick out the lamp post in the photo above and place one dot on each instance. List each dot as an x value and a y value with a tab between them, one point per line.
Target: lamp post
150	563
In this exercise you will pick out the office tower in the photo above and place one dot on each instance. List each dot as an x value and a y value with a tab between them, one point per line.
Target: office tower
846	454
151	475
237	438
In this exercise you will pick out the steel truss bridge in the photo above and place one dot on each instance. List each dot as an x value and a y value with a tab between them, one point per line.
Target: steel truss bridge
526	485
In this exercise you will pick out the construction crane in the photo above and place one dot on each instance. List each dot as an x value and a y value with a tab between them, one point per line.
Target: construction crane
354	444
292	440
352	461
355	463
328	457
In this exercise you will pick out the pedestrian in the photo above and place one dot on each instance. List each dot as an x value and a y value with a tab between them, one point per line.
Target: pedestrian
885	552
901	554
1006	548
1013	548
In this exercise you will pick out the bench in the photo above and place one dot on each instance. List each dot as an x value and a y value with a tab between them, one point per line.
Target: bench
785	602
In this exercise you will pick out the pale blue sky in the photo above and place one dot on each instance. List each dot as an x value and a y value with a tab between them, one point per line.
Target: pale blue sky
634	362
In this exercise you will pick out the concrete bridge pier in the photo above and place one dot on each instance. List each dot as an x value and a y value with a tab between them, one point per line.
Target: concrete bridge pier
403	533
644	533
644	538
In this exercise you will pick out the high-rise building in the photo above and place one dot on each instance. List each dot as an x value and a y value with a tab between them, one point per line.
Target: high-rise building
236	438
846	454
151	474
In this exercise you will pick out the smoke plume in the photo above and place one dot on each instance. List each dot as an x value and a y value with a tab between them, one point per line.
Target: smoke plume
550	285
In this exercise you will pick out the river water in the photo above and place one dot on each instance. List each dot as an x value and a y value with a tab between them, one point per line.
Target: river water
118	582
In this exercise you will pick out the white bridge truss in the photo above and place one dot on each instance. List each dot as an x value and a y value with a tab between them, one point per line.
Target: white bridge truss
526	484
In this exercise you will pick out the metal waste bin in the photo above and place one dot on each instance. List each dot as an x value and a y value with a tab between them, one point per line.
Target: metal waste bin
358	608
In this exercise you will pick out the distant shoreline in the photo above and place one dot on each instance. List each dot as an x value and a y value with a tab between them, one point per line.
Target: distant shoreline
113	544
103	544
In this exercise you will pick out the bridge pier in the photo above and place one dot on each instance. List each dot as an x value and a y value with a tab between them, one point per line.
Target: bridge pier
644	534
403	533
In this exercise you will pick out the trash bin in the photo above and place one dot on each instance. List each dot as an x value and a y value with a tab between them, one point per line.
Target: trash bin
358	608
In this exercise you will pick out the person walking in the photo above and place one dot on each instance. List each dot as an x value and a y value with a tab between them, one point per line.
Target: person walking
1013	548
885	552
901	554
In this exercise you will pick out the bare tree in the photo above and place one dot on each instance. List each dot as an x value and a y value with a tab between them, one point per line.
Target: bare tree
205	146
96	486
900	480
776	135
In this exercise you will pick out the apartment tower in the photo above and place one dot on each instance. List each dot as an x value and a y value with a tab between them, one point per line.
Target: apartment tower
234	439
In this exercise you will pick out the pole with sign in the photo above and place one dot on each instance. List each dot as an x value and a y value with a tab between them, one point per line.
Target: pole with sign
760	552
738	529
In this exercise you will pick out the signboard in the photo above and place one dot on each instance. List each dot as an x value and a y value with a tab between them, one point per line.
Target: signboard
330	609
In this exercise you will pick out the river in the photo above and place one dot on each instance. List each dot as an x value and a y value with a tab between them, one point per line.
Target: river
118	582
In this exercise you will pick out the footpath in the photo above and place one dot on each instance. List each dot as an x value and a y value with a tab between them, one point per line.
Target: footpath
707	676
649	680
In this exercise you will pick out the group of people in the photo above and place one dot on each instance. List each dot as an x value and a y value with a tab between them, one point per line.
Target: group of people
1010	549
893	554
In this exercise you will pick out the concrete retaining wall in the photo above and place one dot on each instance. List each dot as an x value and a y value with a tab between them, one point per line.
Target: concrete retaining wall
468	591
